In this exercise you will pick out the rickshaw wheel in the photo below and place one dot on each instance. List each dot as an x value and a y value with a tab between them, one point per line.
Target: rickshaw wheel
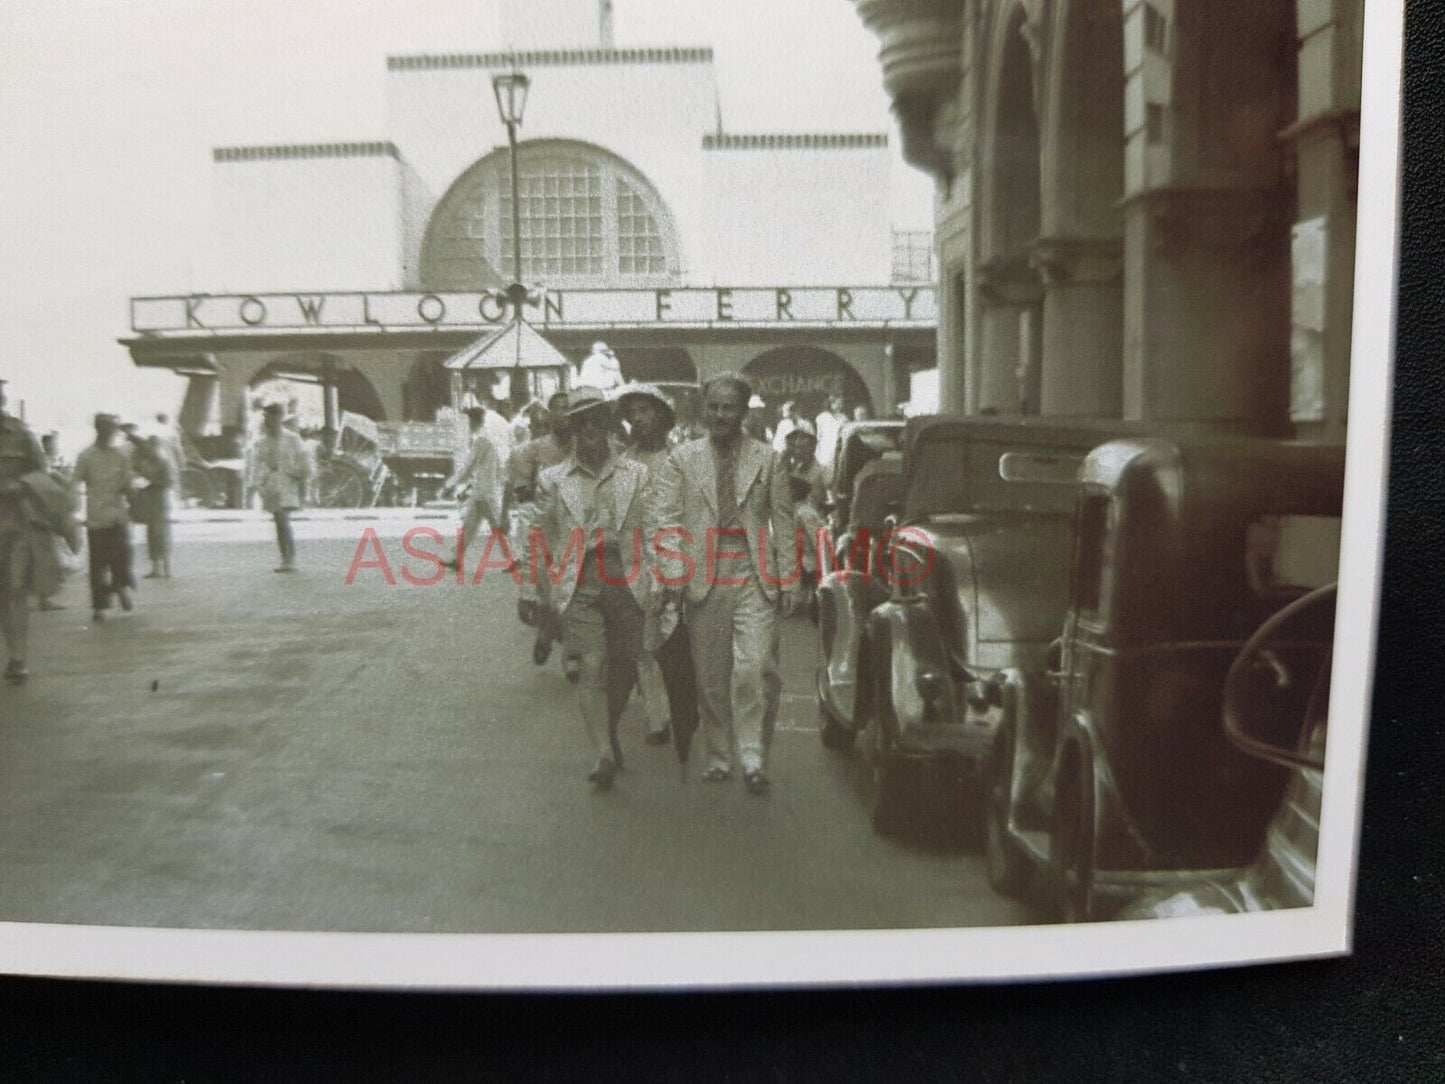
340	484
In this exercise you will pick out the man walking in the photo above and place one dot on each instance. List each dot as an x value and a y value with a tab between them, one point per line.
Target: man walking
664	673
598	496
550	446
104	470
479	484
279	468
20	455
726	536
828	425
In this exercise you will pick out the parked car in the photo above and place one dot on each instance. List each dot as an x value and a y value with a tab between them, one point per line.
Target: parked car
976	568
1284	873
1110	773
859	443
848	593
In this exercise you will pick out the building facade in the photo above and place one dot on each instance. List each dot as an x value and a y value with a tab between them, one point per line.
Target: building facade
1145	208
689	248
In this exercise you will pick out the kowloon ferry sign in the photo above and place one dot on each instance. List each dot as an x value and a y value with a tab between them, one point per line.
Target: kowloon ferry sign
803	306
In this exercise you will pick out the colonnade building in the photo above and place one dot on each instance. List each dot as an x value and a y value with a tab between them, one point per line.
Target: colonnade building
1145	208
645	221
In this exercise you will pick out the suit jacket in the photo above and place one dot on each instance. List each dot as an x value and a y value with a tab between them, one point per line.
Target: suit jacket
562	507
686	497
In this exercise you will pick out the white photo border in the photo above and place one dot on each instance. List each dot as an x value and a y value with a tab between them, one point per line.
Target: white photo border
501	962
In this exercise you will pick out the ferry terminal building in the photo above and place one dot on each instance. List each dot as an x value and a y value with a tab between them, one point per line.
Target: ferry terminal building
689	249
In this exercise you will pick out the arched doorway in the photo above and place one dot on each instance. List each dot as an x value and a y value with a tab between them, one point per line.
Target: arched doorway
1010	292
427	387
807	376
297	378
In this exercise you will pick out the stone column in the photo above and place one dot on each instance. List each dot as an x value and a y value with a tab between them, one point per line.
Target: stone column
1083	316
1206	308
1010	309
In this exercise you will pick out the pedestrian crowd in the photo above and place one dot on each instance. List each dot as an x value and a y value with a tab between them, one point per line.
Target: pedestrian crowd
697	633
124	476
697	639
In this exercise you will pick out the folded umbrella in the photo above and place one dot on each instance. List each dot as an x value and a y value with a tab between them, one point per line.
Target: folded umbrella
674	657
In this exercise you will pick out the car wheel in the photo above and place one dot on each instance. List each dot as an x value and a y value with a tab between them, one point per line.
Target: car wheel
835	736
1008	871
1071	850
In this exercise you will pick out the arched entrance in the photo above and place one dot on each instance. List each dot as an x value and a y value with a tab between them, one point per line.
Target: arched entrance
298	378
427	387
808	376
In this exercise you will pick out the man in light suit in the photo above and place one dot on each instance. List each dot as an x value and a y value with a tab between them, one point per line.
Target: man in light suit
594	502
727	540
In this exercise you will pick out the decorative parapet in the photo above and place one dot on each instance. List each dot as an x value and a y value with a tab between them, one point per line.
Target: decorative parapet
374	149
551	58
819	141
921	55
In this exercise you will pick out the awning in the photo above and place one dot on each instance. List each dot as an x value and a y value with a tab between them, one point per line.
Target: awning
517	345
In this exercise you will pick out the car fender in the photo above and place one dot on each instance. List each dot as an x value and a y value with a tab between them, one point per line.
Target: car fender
842	633
1028	704
1118	843
906	644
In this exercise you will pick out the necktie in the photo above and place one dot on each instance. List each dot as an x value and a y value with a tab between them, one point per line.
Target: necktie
727	494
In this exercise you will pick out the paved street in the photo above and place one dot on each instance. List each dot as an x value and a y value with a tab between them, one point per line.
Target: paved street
260	751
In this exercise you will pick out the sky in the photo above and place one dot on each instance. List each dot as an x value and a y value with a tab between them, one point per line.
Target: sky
108	113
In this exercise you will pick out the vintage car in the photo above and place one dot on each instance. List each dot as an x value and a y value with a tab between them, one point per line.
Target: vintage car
976	567
859	443
1110	773
1284	873
848	592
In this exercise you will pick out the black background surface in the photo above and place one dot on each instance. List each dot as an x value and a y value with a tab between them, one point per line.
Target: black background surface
1376	1016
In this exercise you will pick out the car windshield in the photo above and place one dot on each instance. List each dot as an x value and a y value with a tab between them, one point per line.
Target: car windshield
970	477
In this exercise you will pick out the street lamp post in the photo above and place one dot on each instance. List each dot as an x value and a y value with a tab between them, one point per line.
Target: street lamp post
511	89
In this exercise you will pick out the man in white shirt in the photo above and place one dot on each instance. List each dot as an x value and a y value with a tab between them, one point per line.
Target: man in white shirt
479	481
103	469
601	369
827	425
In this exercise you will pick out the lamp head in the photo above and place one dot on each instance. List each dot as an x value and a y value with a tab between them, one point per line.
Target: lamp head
511	91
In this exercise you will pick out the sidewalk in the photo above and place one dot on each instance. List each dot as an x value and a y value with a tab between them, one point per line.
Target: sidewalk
435	510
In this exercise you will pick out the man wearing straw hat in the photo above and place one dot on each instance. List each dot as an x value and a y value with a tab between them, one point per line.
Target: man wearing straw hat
665	671
598	498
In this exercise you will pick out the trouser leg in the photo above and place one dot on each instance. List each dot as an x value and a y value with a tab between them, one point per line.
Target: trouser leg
122	574
15	624
285	536
654	693
756	686
473	513
95	546
710	624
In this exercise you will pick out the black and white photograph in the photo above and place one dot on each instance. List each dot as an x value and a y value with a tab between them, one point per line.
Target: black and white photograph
506	494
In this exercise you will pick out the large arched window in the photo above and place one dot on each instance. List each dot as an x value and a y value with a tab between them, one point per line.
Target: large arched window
588	219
